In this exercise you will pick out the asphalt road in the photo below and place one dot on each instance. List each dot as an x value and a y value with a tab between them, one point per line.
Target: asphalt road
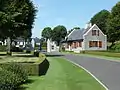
108	72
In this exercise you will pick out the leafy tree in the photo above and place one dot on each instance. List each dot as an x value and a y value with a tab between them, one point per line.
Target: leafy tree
113	24
47	33
100	19
72	30
17	17
59	33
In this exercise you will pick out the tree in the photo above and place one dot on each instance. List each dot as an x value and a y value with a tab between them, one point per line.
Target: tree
113	24
47	33
100	19
72	30
59	33
17	17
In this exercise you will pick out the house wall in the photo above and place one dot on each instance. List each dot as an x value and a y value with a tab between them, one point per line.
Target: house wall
51	46
74	46
88	37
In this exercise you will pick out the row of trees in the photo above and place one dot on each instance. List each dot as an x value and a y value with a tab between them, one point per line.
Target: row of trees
109	22
57	34
16	18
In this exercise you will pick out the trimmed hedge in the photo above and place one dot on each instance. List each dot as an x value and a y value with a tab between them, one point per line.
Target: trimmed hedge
3	48
32	68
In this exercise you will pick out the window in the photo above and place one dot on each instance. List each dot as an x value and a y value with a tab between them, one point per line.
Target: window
75	44
98	32
95	32
93	43
80	44
52	47
100	44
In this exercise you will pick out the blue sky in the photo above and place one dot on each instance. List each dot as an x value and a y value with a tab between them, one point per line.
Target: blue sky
70	13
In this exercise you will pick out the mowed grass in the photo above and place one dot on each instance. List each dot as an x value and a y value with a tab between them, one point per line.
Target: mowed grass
63	75
104	53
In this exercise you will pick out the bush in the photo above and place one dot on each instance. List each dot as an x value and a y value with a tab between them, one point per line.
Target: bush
8	80
116	47
15	49
3	48
17	69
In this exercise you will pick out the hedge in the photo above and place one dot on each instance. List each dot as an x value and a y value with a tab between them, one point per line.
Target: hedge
8	80
3	48
37	68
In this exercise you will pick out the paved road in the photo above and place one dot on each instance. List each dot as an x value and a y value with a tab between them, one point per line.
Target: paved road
108	72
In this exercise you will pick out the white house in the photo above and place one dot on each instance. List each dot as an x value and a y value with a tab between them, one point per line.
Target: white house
90	38
51	46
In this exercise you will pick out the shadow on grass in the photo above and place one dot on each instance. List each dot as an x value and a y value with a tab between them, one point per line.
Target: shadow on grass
24	56
54	55
3	54
29	81
43	68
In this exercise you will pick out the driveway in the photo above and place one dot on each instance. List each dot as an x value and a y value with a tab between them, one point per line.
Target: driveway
108	72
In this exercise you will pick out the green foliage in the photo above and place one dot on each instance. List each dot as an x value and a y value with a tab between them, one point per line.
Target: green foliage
44	44
3	48
59	33
113	24
100	19
8	80
116	47
47	33
17	17
18	70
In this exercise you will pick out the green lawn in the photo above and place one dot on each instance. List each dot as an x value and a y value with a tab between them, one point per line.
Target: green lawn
103	53
62	75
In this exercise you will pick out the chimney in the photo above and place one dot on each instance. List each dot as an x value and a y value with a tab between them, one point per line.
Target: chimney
88	25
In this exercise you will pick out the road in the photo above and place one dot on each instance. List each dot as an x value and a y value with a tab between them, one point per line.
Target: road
108	72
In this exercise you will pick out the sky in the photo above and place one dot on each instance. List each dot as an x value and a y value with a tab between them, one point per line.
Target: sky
70	13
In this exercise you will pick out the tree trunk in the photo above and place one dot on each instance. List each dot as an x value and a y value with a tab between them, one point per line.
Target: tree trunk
8	46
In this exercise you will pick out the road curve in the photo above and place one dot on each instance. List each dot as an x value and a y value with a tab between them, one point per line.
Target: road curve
108	72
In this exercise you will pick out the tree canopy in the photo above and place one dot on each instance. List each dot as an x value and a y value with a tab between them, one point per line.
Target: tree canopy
59	33
47	33
100	19
16	18
113	24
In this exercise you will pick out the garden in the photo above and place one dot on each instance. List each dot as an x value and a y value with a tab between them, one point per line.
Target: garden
16	69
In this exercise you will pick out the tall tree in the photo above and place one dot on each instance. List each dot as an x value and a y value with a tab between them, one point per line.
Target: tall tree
59	33
113	24
17	17
100	19
47	33
72	30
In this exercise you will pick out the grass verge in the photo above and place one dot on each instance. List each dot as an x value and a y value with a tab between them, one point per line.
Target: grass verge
63	75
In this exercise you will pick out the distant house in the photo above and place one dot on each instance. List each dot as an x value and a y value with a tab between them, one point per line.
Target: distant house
51	46
36	43
90	38
19	42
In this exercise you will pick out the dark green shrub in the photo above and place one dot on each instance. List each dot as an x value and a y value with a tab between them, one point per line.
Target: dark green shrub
3	48
17	69
116	47
36	54
8	80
